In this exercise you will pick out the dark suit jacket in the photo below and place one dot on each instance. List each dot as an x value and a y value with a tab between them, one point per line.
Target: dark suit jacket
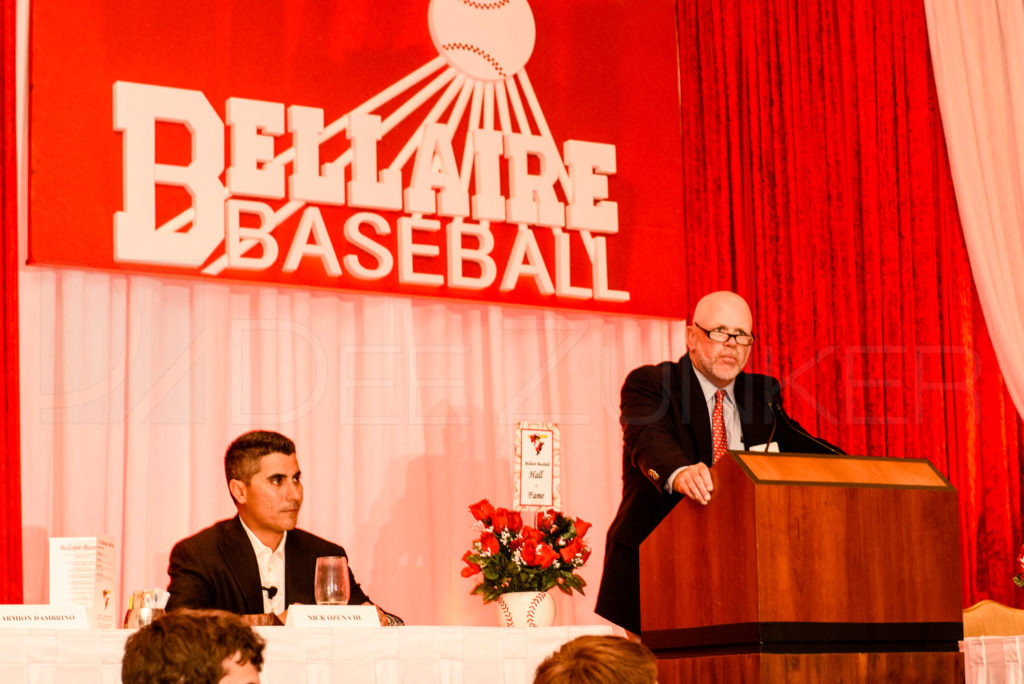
665	426
217	568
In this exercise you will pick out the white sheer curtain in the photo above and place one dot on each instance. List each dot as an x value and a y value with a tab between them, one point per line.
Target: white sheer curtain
402	411
977	51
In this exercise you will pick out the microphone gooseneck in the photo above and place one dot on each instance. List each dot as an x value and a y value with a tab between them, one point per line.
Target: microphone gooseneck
775	425
778	411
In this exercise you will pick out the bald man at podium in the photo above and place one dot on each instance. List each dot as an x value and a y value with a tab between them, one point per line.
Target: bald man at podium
678	419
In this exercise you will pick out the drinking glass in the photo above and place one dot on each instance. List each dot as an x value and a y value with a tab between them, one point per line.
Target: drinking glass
331	584
142	610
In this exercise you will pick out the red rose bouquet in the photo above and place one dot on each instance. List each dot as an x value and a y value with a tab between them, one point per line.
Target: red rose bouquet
1018	579
513	556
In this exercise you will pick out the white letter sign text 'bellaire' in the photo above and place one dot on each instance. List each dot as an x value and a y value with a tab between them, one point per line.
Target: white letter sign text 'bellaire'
486	124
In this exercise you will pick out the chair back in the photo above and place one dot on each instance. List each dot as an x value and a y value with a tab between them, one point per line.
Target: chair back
991	618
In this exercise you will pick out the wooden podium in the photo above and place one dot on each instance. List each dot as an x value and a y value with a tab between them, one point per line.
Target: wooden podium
807	568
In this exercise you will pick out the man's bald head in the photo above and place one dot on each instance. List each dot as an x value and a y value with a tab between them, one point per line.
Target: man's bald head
723	311
723	303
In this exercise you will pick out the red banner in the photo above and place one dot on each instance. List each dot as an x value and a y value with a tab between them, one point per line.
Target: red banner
491	151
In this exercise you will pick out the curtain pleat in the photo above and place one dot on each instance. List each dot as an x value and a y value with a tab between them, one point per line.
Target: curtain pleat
10	454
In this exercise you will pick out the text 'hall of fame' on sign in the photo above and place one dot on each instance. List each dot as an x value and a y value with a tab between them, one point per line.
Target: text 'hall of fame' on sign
537	466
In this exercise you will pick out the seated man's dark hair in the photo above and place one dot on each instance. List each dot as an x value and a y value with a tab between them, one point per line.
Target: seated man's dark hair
189	646
599	660
242	459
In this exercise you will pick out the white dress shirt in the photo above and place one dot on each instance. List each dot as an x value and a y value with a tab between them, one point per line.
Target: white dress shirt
730	415
271	562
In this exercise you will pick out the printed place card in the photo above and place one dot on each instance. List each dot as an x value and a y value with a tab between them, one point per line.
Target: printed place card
43	617
332	616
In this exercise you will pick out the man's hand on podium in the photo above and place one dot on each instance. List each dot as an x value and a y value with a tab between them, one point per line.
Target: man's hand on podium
695	482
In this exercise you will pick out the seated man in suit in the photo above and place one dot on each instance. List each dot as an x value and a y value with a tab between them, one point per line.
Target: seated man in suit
677	420
257	563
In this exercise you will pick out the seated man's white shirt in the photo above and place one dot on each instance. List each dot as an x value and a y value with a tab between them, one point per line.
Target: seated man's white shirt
271	562
730	415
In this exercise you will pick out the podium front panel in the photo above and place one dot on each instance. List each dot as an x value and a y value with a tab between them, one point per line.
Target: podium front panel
791	559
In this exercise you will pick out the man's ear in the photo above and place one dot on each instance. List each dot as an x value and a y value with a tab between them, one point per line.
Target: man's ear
239	491
691	337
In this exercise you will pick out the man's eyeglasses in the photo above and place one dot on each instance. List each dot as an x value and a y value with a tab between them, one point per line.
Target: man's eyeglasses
742	339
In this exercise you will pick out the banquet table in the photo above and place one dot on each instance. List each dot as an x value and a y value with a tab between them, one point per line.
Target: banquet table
993	659
401	655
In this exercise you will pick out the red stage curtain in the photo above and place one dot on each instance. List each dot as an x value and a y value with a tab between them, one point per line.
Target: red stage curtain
10	466
816	183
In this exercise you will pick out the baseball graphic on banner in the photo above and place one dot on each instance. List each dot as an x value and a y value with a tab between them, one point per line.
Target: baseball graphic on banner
487	41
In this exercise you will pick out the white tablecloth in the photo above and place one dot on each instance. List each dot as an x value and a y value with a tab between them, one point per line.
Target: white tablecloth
400	655
994	660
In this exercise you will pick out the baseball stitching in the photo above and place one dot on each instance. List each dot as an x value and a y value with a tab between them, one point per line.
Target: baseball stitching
485	5
476	51
505	611
532	609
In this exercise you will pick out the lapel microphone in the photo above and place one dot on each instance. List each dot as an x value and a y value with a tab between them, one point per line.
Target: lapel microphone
271	592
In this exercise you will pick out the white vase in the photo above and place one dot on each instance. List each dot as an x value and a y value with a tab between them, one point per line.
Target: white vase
526	609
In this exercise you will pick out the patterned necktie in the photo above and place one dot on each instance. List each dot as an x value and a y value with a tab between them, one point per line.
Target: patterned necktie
718	439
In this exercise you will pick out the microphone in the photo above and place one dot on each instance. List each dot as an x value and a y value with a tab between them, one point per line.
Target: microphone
777	410
271	592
